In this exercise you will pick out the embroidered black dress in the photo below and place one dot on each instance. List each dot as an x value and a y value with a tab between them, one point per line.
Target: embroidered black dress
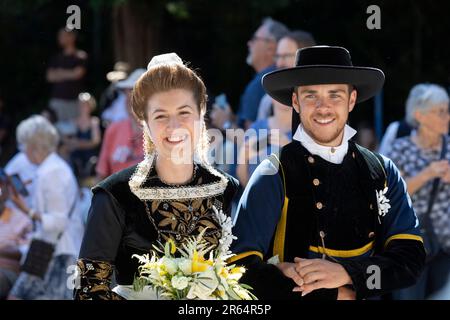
133	209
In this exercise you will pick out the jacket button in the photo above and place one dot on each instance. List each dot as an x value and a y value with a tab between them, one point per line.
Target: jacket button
316	182
353	155
371	206
319	205
371	234
310	159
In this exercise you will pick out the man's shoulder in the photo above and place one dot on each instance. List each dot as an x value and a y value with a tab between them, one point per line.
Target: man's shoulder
53	164
291	152
267	171
255	82
292	146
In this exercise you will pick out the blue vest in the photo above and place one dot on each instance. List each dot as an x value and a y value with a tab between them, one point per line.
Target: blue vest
329	209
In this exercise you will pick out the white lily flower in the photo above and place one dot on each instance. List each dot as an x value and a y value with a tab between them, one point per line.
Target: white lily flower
185	265
204	285
170	265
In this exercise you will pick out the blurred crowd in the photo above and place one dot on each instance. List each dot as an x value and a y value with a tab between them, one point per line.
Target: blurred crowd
66	149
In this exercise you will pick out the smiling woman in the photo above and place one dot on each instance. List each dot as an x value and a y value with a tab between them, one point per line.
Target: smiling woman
171	195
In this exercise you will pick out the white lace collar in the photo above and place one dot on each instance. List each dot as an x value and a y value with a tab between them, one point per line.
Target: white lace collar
137	181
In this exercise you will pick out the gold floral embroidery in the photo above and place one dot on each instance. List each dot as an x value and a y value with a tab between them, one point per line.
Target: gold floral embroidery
95	279
179	220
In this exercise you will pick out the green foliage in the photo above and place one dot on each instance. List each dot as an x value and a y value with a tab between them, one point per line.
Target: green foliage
18	7
178	9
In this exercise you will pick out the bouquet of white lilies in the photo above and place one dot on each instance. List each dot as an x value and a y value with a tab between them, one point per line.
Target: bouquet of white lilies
191	275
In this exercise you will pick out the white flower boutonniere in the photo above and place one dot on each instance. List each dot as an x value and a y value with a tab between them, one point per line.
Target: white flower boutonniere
383	202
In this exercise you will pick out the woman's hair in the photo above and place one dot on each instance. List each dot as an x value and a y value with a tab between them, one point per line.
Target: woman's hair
89	99
423	97
162	78
39	133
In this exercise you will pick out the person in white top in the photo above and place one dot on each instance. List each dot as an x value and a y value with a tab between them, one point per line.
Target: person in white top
53	213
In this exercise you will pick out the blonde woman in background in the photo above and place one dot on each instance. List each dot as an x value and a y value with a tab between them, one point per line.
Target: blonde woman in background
54	198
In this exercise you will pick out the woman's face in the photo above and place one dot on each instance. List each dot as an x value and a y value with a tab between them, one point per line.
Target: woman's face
85	107
173	119
33	156
436	119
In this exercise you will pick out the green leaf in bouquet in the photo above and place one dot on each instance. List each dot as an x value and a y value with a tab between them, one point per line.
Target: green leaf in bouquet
139	283
167	249
233	295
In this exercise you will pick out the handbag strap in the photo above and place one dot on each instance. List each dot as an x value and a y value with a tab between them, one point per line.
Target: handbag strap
434	190
70	214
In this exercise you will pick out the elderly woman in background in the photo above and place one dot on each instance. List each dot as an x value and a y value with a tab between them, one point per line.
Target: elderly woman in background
423	158
54	198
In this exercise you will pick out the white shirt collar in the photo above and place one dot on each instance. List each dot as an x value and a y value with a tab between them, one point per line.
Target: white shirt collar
48	162
332	154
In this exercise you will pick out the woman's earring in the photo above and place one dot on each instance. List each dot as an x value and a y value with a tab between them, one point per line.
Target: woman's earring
148	143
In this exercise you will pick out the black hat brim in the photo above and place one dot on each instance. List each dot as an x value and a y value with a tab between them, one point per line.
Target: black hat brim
280	84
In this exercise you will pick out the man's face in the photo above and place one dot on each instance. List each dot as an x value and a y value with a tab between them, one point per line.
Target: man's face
286	49
324	111
65	38
260	46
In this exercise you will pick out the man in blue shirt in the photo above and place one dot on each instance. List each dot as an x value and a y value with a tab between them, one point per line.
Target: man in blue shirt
262	48
328	219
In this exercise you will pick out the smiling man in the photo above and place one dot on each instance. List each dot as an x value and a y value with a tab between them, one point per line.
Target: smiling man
328	219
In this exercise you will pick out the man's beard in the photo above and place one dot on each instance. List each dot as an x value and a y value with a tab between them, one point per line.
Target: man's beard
249	59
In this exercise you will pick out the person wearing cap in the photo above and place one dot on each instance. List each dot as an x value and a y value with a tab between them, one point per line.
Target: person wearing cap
122	142
172	195
112	101
328	219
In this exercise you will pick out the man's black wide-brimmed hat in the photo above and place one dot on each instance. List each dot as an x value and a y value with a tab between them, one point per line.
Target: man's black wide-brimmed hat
322	65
